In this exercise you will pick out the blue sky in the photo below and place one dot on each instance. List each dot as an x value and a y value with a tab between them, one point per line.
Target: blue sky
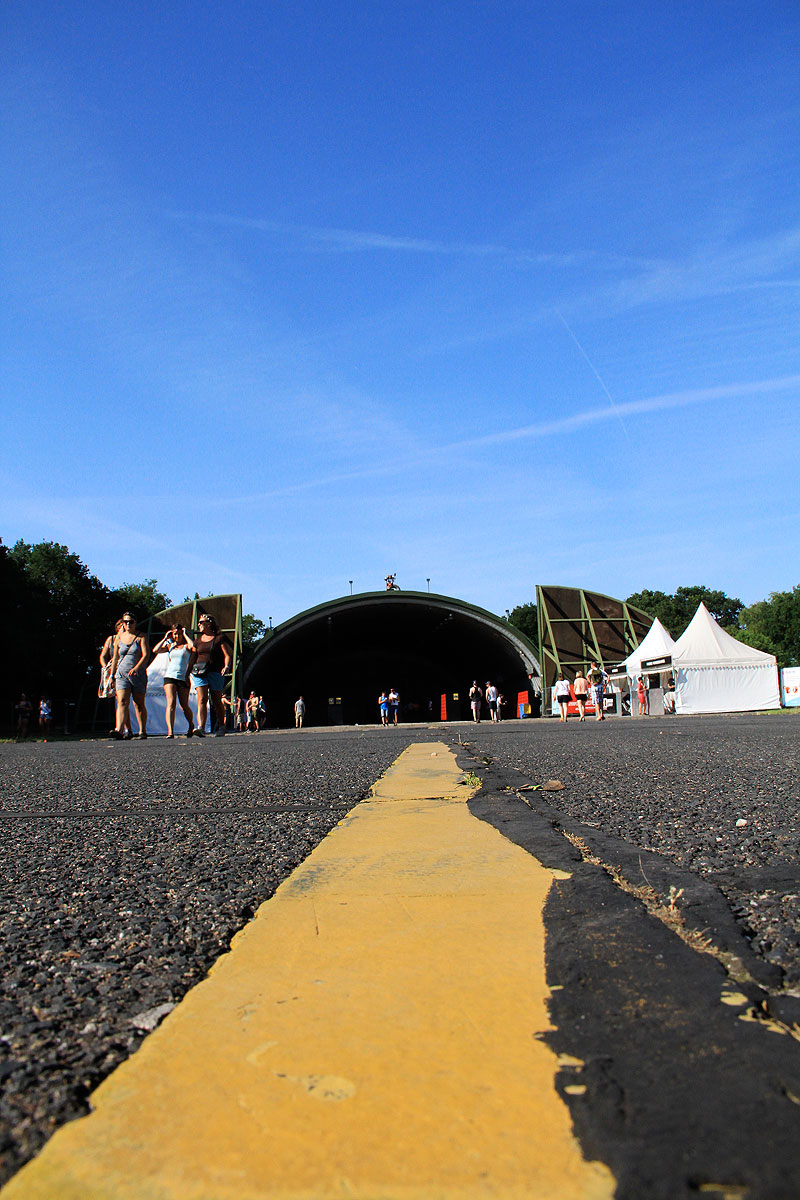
487	293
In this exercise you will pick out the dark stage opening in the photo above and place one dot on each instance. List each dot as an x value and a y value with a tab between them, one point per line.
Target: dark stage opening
340	655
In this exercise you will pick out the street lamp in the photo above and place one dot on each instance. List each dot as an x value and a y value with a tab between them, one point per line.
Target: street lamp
351	587
428	581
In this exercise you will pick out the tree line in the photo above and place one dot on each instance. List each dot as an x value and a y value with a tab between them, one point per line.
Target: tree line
57	615
772	625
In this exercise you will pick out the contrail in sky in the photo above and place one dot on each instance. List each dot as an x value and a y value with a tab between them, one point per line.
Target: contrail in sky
595	372
560	426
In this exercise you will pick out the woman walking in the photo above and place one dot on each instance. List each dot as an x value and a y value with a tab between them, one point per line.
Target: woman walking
563	696
129	670
181	654
214	660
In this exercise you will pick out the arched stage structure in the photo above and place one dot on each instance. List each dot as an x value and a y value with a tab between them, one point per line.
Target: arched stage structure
341	654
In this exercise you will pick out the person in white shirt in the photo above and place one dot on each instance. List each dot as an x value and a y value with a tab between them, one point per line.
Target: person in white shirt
563	696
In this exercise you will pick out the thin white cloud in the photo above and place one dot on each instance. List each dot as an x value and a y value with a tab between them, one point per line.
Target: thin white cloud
711	271
632	408
537	431
342	239
77	521
352	240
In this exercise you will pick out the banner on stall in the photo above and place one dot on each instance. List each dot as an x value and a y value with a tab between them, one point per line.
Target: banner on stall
790	687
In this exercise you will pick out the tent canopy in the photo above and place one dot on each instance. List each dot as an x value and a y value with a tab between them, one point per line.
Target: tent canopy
656	644
716	673
705	644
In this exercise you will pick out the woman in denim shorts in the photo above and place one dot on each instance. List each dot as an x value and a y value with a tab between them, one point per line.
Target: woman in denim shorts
214	660
129	671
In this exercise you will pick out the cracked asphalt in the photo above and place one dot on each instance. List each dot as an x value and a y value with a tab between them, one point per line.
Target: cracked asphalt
717	796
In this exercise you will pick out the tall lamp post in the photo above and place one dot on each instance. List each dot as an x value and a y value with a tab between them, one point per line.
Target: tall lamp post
351	587
428	581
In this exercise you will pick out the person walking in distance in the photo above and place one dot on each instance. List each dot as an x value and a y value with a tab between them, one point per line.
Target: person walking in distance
45	715
597	683
563	696
252	713
299	712
475	699
491	700
394	704
23	710
581	690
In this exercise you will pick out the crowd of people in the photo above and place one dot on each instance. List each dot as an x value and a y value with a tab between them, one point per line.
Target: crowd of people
493	698
594	687
389	706
589	687
24	712
202	661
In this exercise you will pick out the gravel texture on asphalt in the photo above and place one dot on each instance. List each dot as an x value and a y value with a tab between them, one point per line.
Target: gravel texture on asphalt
127	868
719	796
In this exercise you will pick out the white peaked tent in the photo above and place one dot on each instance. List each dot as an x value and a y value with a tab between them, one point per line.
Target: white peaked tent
716	673
656	644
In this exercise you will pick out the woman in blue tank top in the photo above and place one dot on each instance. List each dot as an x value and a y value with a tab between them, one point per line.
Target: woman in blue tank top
181	654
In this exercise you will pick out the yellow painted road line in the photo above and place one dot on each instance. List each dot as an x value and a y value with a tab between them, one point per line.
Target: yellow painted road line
371	1035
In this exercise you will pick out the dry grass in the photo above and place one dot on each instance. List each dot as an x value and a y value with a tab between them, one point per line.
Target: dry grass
668	912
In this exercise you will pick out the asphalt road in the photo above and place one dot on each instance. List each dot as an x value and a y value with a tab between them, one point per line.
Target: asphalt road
128	867
717	796
672	948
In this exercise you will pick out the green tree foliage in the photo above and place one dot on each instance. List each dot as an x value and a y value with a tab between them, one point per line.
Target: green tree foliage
61	613
525	620
676	611
773	625
143	599
253	631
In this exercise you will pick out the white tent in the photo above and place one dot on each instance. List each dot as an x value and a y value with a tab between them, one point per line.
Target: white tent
656	644
716	673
